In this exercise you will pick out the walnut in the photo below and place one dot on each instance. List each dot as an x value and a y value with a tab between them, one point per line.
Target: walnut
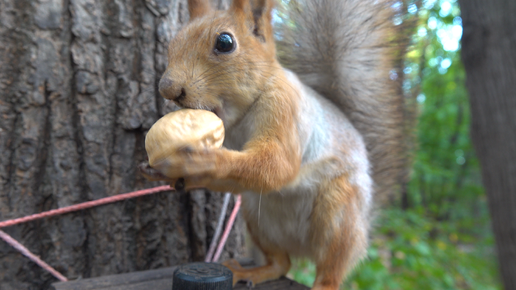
187	128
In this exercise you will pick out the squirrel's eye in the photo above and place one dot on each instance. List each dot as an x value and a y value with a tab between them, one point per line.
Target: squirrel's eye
224	43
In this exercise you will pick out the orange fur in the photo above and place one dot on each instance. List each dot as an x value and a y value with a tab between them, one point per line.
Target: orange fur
283	140
277	265
347	247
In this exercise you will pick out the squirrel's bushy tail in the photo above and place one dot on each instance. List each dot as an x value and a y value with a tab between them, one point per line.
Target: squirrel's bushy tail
348	51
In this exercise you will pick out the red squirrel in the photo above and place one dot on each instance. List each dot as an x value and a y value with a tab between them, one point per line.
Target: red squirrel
314	123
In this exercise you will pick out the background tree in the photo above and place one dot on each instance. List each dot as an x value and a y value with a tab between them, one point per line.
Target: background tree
489	55
78	92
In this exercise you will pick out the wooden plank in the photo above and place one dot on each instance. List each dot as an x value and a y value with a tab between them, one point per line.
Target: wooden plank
159	279
166	284
120	280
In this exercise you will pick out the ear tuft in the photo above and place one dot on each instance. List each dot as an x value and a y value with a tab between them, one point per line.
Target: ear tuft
198	8
257	15
262	18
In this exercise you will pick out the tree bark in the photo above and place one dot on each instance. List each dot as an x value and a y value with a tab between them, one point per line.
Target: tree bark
489	55
78	81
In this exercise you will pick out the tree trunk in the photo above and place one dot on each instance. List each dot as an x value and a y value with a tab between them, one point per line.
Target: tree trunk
78	81
489	55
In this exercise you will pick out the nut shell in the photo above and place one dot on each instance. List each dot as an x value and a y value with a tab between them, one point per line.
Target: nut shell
196	129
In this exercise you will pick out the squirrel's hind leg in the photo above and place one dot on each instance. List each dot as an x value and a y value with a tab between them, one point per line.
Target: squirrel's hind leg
340	217
277	265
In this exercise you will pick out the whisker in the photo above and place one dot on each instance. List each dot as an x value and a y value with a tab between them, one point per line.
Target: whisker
232	70
209	75
226	77
200	78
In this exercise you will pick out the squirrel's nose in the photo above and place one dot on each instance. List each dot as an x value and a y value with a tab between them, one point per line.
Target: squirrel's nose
171	91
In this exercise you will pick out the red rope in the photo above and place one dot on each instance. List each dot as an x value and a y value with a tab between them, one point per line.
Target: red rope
15	244
218	230
229	225
31	256
84	205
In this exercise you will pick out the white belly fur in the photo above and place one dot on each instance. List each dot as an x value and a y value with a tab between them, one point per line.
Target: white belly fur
282	219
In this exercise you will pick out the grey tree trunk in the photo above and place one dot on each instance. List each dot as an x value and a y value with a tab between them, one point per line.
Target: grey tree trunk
489	55
77	95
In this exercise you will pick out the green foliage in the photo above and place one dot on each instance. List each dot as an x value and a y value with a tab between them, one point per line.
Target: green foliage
412	251
445	168
441	237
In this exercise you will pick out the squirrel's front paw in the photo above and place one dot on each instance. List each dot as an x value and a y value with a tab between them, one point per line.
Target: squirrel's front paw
197	163
188	163
152	174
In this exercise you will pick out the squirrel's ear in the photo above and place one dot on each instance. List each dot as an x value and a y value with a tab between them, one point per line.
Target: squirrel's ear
198	8
258	14
262	19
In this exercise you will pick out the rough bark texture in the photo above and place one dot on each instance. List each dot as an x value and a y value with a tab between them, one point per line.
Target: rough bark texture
78	93
489	54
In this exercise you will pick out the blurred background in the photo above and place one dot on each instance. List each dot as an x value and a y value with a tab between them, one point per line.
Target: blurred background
437	235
